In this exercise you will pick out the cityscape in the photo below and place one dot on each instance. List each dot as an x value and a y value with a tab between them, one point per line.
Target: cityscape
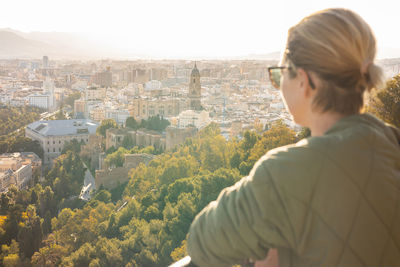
107	155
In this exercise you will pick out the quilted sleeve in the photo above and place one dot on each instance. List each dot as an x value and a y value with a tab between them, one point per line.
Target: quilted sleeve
245	221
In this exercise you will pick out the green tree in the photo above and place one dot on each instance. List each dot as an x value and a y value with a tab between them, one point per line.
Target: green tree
106	124
117	158
70	99
103	196
304	133
132	123
30	232
50	254
386	103
127	142
74	145
60	114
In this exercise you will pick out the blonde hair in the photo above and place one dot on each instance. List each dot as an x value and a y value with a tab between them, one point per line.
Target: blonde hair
339	47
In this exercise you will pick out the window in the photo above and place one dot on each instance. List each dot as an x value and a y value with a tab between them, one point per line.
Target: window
48	142
59	149
48	150
54	149
59	141
54	142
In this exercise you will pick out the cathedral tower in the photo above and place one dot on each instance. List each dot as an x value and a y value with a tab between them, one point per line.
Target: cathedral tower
195	89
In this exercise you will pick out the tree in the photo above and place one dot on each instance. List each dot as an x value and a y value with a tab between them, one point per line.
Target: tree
132	123
50	254
179	252
70	99
386	103
60	114
74	145
117	158
30	232
103	196
106	124
127	142
304	133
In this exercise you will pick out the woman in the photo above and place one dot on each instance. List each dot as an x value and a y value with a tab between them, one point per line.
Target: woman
332	199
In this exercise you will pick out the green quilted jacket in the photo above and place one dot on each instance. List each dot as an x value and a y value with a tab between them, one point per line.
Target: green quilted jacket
332	200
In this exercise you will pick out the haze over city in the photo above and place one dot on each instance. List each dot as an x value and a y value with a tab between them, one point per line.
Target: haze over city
184	29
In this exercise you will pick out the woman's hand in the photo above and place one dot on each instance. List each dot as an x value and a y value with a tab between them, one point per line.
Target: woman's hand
270	261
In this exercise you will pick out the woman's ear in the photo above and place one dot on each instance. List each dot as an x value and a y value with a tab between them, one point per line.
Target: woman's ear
305	82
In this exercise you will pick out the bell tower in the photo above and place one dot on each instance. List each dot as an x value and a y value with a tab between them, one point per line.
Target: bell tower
195	89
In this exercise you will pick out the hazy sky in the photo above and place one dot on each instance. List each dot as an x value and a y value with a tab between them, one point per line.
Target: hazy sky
186	28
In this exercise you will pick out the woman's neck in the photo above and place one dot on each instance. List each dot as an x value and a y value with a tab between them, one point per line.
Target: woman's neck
319	123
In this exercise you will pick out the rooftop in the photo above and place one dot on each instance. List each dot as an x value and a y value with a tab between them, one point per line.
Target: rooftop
63	127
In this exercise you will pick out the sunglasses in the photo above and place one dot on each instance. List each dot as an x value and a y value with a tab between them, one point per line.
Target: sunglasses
275	74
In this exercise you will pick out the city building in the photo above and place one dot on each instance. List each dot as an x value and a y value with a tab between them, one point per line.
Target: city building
176	136
196	118
153	85
46	99
142	108
80	108
140	138
52	135
119	115
94	93
40	100
195	89
45	62
97	114
103	78
17	169
110	177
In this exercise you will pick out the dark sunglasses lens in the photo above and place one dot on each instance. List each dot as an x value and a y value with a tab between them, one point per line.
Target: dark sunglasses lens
275	75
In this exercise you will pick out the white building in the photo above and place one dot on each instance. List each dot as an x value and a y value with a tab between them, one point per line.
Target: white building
46	99
198	119
41	100
14	169
94	93
278	106
52	135
119	115
153	85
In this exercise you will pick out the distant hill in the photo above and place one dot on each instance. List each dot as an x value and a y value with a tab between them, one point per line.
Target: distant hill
61	45
270	56
13	45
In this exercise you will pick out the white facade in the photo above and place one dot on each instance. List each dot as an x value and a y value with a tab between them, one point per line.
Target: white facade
153	85
198	119
48	86
41	101
119	115
93	93
276	106
14	170
97	114
52	135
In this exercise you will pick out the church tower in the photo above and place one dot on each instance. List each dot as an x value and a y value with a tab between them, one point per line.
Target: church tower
195	89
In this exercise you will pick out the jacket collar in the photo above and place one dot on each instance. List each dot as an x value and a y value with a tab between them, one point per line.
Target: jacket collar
364	118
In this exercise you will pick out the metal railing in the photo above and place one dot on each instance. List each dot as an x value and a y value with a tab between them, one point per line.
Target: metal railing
187	262
184	262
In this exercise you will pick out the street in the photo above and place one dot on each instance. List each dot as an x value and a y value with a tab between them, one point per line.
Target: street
88	185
